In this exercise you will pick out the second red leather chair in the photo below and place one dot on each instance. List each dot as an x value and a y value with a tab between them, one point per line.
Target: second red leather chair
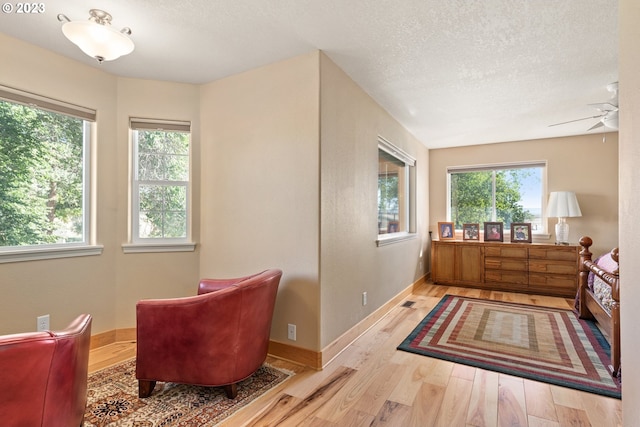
217	338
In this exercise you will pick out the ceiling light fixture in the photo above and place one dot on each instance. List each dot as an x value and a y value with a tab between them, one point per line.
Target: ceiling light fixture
96	37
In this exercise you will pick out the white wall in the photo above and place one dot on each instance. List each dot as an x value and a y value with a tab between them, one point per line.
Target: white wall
629	207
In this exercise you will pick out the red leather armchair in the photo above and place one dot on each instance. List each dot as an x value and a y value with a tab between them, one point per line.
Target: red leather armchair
216	338
43	376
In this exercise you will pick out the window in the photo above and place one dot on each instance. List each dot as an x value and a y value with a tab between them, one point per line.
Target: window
396	206
498	193
44	178
160	187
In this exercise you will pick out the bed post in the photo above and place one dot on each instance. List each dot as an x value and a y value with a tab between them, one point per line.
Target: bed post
583	285
615	315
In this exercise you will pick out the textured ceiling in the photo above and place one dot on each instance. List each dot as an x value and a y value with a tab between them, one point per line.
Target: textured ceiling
453	72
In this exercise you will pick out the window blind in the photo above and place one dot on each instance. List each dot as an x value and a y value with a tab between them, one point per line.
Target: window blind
164	125
395	151
499	166
48	104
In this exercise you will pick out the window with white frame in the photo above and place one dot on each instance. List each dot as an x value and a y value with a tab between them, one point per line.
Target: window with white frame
396	182
161	176
44	175
498	193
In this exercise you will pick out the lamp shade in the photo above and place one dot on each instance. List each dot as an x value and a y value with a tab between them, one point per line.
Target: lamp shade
563	204
98	41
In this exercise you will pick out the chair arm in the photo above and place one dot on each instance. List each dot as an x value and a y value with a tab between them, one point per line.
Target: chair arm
67	395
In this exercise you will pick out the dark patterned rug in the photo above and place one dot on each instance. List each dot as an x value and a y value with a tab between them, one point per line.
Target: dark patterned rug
113	399
538	343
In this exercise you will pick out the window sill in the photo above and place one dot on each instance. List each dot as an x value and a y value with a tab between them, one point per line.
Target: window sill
140	248
542	238
34	254
389	239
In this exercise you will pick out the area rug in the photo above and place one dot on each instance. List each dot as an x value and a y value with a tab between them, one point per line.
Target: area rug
538	343
113	399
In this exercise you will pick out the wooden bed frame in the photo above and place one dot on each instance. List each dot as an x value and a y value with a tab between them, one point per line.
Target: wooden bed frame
590	307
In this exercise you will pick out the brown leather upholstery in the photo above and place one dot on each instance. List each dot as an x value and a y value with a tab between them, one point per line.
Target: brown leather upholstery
216	338
43	376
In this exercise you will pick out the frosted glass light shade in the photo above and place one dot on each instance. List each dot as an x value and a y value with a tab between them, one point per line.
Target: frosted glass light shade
98	41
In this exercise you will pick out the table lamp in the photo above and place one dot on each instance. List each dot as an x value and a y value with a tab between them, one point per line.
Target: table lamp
563	205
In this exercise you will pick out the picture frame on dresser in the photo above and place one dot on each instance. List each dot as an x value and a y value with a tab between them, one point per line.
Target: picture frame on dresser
520	232
446	231
470	231
493	232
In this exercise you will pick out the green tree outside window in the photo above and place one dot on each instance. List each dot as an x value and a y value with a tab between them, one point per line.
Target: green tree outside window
41	176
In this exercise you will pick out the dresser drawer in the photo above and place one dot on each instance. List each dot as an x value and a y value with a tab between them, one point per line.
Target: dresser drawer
512	264
554	284
559	253
506	251
504	276
553	267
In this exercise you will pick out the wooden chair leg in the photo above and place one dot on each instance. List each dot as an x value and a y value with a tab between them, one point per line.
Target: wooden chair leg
145	387
231	390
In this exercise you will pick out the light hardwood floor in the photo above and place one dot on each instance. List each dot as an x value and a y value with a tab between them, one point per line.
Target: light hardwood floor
372	384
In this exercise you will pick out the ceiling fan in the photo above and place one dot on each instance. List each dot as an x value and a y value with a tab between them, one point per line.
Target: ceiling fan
608	111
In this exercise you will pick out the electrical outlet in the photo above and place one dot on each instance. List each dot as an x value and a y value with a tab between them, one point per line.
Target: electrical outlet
42	323
364	298
291	332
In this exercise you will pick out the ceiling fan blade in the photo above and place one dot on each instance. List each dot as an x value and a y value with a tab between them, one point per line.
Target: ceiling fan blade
604	106
596	126
577	120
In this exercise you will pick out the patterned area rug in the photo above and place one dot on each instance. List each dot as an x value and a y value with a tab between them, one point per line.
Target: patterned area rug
113	399
538	343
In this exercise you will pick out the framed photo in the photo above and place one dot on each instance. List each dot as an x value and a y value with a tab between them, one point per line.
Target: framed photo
471	232
493	232
521	232
445	230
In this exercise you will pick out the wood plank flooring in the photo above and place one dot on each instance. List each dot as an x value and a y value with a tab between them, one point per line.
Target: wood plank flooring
372	384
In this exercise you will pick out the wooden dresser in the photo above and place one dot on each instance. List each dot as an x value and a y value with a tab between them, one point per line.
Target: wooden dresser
517	267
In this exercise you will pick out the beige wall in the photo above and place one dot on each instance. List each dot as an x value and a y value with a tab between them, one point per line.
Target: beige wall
568	160
260	172
34	288
629	206
108	285
256	193
153	275
281	145
350	261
